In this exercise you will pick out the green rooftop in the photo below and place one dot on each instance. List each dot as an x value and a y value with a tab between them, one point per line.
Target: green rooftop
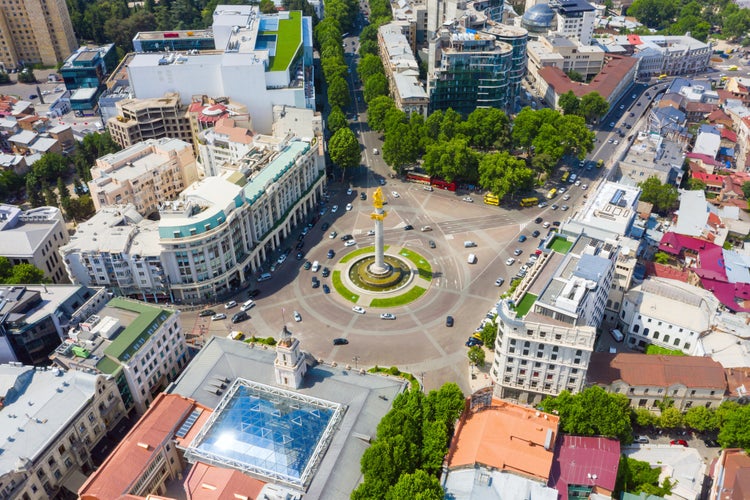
288	41
107	365
149	319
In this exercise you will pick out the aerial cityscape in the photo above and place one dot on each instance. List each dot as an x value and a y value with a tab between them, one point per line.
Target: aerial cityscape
375	250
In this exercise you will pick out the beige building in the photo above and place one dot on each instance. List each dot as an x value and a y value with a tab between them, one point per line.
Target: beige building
35	32
647	380
145	174
141	119
402	69
566	54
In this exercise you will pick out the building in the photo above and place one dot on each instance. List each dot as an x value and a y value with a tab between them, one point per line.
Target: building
232	223
248	65
402	70
575	19
53	419
517	38
35	32
224	143
683	466
667	313
145	174
35	318
731	476
647	379
669	55
610	211
33	237
566	54
174	41
412	14
87	68
651	155
139	120
585	465
547	329
501	450
141	346
204	113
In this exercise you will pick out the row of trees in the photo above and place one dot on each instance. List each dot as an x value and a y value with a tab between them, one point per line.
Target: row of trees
412	440
591	106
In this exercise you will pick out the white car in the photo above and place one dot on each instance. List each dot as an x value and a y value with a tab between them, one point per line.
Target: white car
564	208
395	194
297	317
499	281
217	317
281	258
542	204
349	191
334	209
578	183
332	234
584	186
230	304
387	316
561	190
468	199
546	224
510	261
615	142
349	207
358	309
566	197
350	243
371	232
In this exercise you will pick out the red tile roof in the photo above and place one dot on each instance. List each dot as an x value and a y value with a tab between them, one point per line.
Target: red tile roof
590	461
206	482
709	179
718	115
704	158
729	135
736	466
738	381
699	107
675	243
613	72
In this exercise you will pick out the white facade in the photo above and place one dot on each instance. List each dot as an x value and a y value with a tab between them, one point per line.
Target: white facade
576	19
670	55
667	313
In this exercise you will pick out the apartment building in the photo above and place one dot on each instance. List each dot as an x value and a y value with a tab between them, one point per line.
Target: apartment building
575	19
52	422
651	155
144	175
566	54
141	346
224	144
414	15
35	32
138	120
659	54
667	313
402	70
545	349
648	380
33	237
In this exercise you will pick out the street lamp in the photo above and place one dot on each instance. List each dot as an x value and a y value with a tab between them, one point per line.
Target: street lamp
356	362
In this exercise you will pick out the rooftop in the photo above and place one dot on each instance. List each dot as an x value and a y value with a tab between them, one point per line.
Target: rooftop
22	232
613	208
258	183
585	461
680	464
605	82
656	370
146	320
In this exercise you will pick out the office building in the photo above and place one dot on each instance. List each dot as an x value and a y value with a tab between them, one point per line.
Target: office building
402	71
35	32
174	41
517	38
565	54
145	174
575	19
52	421
141	346
547	328
87	68
33	237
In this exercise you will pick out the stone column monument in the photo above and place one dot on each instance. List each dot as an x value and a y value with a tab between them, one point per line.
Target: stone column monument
379	267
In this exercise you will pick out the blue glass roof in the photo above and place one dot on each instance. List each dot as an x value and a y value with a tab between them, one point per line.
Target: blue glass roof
267	431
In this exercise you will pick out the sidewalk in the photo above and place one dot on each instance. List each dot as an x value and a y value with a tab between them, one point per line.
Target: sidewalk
481	375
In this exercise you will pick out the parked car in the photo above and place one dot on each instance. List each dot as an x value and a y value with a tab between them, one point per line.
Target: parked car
307	265
297	317
230	304
468	199
363	196
347	237
315	282
522	238
535	234
349	207
207	312
358	309
331	254
474	341
239	317
641	440
431	243
538	220
325	226
217	317
499	281
387	316
333	234
710	443
678	442
408	227
517	252
326	272
510	261
253	293
326	289
395	194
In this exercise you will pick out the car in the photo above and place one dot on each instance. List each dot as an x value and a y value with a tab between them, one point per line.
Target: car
474	341
522	238
323	211
371	232
333	234
395	194
431	243
546	225
554	207
381	182
408	227
556	223
349	207
340	341
564	208
678	442
326	272
638	104
387	316
616	142
622	106
315	282
524	268
710	443
641	440
561	190
299	255
349	192
230	304
358	309
535	234
509	261
632	115
217	317
334	209
253	293
207	312
584	186
566	197
305	231
350	243
538	220
628	126
33	96
449	321
578	182
307	265
297	317
610	141
517	252
428	188
325	226
611	124
281	259
499	281
240	317
363	196
468	199
424	229
326	289
634	96
347	237
299	244
542	204
331	254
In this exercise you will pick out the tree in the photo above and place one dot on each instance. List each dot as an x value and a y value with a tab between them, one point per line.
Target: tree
369	65
267	6
377	109
434	439
644	418
50	166
344	149
746	190
33	192
487	128
20	274
417	486
653	13
569	103
80	208
663	196
503	174
375	86
336	120
451	160
489	334
670	418
338	92
696	184
26	76
700	418
661	258
735	432
636	476
593	106
62	190
575	76
476	355
401	146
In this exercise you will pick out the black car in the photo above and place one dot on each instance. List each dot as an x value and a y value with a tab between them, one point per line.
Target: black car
408	227
326	290
538	220
207	312
474	341
556	223
362	196
340	341
315	282
331	253
710	443
431	243
449	321
325	226
347	237
253	293
300	255
326	272
535	233
240	316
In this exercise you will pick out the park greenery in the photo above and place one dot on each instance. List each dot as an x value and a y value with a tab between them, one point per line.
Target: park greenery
405	459
26	274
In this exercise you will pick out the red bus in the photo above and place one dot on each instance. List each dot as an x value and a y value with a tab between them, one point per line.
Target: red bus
420	178
441	184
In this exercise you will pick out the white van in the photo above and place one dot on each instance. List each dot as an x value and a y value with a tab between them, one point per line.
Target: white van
264	277
315	266
472	259
469	244
246	306
617	335
374	151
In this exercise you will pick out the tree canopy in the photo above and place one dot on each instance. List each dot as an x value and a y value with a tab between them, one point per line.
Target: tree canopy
662	196
734	431
20	274
636	476
344	149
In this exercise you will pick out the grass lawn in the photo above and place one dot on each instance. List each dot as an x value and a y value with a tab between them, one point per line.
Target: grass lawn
288	41
561	245
655	349
341	289
359	252
425	270
524	304
399	300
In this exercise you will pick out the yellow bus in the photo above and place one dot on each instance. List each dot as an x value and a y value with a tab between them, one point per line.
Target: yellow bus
552	193
565	176
491	199
529	202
